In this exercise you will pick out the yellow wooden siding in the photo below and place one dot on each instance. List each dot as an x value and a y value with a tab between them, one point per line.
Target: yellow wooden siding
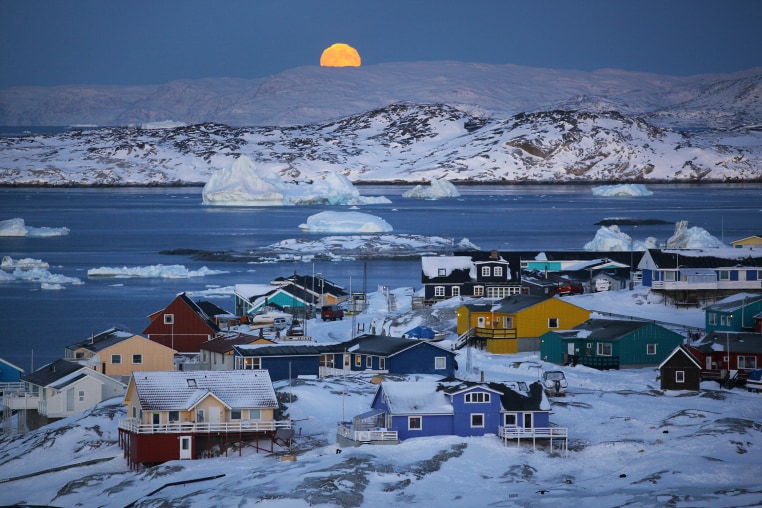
155	357
502	346
533	321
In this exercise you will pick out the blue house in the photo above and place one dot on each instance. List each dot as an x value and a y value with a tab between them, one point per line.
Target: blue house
9	373
404	410
734	313
364	354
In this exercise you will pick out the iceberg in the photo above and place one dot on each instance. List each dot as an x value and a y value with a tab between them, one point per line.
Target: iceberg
17	227
439	188
692	238
156	271
612	239
246	184
346	222
622	190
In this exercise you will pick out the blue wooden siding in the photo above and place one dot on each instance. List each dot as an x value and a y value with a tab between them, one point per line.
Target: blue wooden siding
278	366
431	425
420	360
463	411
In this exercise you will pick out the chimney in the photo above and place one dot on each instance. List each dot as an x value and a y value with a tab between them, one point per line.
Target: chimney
482	377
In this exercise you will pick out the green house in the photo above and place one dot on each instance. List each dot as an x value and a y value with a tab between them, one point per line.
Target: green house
609	343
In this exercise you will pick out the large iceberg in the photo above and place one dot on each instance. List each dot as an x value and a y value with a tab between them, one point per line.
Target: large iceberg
622	190
611	238
17	227
246	184
346	222
439	188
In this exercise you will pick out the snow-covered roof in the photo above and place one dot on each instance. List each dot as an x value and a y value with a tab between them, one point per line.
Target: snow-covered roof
431	266
410	397
182	390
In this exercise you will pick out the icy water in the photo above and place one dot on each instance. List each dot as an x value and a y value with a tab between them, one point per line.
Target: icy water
129	227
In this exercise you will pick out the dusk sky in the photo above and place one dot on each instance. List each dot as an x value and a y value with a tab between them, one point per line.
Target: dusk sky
138	42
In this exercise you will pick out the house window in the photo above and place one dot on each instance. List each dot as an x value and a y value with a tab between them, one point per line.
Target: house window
235	414
192	383
604	349
81	395
650	349
200	416
174	416
255	414
747	362
134	412
137	359
382	363
508	323
439	291
680	376
79	355
669	276
116	359
478	397
509	419
456	291
440	362
724	274
477	420
478	290
358	360
442	272
712	318
414	423
169	319
498	271
252	363
485	271
553	322
368	362
724	321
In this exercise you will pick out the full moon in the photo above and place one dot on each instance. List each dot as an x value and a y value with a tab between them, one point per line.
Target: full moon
340	55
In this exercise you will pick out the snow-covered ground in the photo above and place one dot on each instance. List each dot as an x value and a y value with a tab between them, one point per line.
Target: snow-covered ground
630	443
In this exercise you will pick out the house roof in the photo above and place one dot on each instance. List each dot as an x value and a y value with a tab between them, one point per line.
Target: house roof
200	311
52	372
602	329
734	302
739	342
102	341
681	350
211	309
224	343
517	303
9	364
514	395
380	345
278	350
704	258
312	284
182	390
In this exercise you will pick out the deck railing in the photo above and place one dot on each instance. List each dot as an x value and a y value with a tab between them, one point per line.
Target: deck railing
363	435
552	432
135	426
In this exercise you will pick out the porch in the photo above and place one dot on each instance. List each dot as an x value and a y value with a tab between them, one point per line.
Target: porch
134	426
552	433
366	428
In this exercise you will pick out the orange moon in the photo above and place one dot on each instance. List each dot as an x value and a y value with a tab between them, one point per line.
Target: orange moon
340	55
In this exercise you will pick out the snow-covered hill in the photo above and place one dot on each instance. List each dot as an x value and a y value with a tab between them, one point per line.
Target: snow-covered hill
403	142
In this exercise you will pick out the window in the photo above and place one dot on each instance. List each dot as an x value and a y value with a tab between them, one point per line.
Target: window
747	362
169	319
358	360
724	274
439	291
255	414
724	321
669	276
250	363
442	272
235	414
200	416
456	291
475	397
650	349
134	412
680	376
498	271
712	318
174	416
192	383
79	355
553	322
485	271
116	359
414	423
440	362
382	363
508	323
81	395
509	419
604	349
368	362
478	290
137	359
477	420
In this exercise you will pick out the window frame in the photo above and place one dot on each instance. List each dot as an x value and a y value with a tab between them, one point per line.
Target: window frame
485	271
116	359
478	398
600	346
553	322
477	425
679	376
746	360
440	362
650	349
510	416
439	291
139	358
411	420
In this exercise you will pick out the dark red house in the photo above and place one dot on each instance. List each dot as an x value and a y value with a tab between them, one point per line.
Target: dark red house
725	355
184	324
681	370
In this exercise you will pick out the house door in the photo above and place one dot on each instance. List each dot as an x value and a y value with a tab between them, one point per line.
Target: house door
185	447
103	367
214	415
570	349
708	363
347	361
528	420
480	322
70	400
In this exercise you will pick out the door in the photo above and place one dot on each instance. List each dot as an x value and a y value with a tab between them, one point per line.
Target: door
214	415
70	400
480	322
528	420
347	361
570	348
708	363
185	447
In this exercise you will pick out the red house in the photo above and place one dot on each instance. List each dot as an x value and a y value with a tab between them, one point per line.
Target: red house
728	356
184	324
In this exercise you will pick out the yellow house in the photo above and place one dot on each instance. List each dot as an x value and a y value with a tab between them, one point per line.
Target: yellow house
118	353
750	242
515	323
184	414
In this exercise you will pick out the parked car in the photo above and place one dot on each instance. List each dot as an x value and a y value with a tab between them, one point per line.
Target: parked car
331	312
569	288
602	285
554	382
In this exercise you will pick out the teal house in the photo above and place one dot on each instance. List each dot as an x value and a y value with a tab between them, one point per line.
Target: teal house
734	313
610	343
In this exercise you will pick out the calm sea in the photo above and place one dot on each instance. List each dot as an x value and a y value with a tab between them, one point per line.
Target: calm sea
129	227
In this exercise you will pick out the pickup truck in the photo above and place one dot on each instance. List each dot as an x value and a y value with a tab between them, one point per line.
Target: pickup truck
569	288
332	312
